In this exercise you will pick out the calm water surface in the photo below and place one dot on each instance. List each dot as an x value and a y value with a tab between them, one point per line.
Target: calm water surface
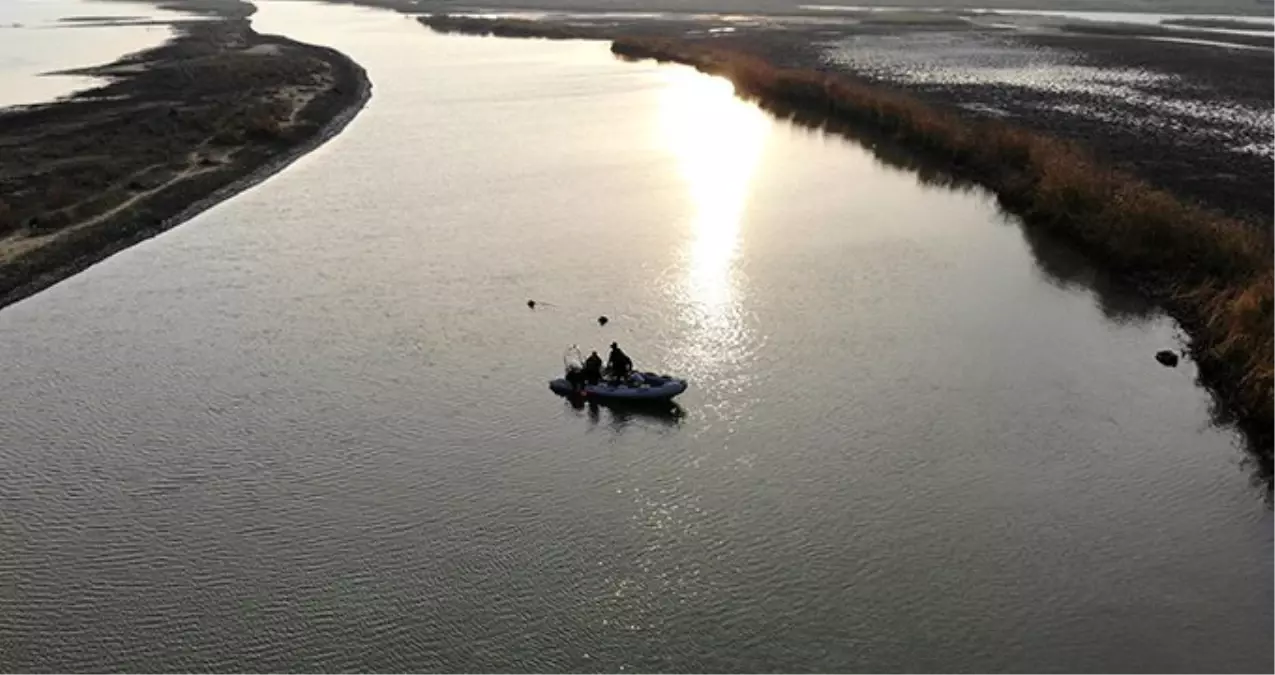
310	429
35	41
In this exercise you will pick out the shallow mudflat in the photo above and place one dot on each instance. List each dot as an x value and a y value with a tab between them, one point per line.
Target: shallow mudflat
1190	115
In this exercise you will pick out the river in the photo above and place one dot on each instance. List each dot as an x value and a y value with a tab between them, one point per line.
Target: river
310	429
40	37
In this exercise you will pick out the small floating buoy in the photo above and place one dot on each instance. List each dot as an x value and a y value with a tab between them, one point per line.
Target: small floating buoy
531	304
602	320
1166	357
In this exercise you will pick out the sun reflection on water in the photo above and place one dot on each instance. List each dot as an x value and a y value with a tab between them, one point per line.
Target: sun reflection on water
717	141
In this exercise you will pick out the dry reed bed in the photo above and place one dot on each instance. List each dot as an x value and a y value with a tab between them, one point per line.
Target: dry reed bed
1213	273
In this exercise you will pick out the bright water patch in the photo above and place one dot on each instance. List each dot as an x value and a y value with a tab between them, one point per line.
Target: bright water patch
34	42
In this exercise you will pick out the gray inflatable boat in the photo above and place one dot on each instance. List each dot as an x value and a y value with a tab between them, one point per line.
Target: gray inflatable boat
639	387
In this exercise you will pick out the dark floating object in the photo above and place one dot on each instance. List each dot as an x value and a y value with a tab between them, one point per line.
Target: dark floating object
1166	357
602	320
531	304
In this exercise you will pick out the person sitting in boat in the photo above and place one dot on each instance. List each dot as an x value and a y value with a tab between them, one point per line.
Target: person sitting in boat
619	363
593	368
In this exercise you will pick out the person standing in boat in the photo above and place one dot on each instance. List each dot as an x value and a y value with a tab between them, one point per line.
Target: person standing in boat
619	363
593	368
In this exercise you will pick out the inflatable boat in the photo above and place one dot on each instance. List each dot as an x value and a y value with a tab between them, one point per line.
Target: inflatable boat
639	387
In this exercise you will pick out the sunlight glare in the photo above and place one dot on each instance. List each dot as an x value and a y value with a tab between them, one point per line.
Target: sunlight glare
716	140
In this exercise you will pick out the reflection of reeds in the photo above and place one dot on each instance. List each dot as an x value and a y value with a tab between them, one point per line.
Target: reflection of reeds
1213	273
512	28
1230	24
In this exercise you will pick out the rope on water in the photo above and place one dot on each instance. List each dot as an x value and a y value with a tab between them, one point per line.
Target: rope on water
532	304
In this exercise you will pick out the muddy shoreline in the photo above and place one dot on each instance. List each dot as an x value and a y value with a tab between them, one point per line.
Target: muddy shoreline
176	130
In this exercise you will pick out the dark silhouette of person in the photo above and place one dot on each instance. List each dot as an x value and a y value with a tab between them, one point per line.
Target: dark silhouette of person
593	368
619	363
